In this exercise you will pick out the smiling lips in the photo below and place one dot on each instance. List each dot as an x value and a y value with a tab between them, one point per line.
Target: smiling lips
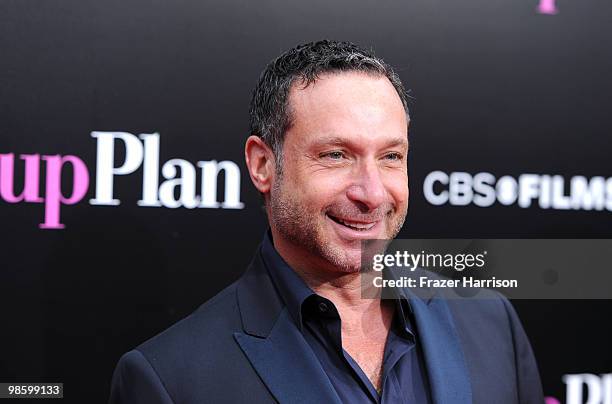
354	225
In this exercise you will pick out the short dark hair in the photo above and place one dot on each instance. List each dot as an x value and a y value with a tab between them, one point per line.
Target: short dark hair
269	115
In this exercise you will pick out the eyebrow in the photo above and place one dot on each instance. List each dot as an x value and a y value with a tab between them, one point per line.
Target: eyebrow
341	141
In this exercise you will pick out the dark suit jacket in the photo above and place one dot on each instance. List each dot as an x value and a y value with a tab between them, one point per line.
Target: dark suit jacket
243	347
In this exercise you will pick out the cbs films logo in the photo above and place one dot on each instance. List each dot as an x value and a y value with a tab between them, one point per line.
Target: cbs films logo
544	191
586	388
180	178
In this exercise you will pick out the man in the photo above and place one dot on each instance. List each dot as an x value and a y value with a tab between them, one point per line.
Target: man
328	152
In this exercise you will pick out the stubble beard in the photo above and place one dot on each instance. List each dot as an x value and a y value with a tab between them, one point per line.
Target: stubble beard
299	225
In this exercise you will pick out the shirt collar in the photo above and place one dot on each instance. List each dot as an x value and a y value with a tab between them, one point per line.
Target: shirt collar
403	308
294	291
291	288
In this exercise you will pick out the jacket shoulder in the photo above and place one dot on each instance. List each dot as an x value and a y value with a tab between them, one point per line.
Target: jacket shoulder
496	348
197	359
210	324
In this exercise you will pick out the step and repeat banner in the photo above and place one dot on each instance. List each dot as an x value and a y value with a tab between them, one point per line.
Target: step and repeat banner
124	198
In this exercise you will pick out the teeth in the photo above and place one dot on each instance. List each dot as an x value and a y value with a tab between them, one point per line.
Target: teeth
359	226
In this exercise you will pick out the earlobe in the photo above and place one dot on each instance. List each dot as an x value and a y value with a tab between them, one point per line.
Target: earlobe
260	163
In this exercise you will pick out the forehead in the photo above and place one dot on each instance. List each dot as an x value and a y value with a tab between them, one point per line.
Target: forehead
354	105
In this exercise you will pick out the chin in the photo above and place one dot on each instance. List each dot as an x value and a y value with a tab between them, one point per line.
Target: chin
346	268
353	269
343	262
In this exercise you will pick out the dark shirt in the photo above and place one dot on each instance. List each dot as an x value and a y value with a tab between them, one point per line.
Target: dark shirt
404	377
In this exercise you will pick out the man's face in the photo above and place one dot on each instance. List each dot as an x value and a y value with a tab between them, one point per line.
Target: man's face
344	176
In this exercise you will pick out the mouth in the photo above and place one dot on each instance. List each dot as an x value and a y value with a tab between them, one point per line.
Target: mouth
352	224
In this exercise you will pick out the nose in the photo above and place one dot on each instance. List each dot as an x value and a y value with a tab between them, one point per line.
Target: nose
367	189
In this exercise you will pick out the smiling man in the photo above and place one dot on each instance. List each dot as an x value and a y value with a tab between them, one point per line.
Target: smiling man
328	153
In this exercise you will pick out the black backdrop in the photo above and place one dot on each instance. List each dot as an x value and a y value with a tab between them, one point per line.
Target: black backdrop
497	87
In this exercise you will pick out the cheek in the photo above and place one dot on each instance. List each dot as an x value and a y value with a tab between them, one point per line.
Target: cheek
319	191
398	190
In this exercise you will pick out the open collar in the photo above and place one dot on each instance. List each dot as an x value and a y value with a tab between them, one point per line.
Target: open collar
291	371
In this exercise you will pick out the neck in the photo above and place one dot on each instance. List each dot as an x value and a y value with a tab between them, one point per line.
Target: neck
360	316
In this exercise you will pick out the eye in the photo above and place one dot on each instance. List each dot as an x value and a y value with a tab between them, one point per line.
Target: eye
393	156
334	155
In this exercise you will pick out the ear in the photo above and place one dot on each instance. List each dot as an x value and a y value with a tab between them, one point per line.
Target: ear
260	163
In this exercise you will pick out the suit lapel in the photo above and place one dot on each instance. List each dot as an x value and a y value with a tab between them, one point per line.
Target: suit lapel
287	365
274	345
448	374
